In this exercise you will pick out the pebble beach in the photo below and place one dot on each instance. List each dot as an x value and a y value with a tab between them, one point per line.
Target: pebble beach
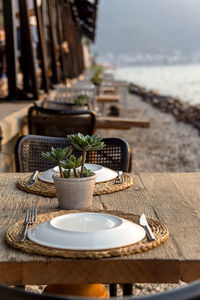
167	146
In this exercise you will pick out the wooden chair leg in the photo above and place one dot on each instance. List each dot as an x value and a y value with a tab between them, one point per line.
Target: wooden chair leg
127	289
21	287
113	289
130	164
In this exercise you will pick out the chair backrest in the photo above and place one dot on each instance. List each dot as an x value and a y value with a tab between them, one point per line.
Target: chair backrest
52	104
53	122
188	292
115	155
8	293
68	94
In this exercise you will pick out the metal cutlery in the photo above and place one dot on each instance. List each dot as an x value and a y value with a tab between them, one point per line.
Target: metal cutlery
143	222
119	178
32	180
30	218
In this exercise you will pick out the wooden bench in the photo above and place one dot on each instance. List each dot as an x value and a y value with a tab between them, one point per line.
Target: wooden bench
110	90
119	123
107	98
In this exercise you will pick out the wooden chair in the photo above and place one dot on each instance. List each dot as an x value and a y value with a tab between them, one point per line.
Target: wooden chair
188	292
59	123
116	154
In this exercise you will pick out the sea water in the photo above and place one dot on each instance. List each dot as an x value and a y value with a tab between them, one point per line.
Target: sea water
182	81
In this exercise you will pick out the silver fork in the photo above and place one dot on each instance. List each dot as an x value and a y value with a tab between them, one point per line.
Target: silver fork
119	178
30	218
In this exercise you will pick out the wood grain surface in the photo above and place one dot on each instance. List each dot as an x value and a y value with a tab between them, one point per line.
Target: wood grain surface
106	98
172	198
119	123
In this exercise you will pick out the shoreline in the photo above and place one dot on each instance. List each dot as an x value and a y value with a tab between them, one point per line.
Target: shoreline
166	146
182	111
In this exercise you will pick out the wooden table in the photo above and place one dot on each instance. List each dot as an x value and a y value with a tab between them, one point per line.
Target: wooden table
172	198
107	98
119	123
109	89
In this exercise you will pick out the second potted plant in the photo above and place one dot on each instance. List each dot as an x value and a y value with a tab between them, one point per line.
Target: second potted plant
74	184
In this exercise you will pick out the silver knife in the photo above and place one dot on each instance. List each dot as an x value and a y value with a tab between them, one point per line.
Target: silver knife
143	222
32	180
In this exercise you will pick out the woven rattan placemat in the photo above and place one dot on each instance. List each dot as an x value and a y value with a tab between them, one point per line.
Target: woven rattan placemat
160	231
48	189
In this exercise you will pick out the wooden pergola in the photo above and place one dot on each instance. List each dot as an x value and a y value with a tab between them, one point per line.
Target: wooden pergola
59	27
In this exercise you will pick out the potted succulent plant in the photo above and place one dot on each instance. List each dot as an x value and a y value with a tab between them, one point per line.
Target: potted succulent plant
74	184
97	77
81	100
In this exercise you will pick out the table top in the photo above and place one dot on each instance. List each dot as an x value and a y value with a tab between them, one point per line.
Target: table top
108	98
107	122
172	198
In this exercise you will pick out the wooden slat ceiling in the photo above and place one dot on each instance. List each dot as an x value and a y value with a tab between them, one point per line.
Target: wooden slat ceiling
87	11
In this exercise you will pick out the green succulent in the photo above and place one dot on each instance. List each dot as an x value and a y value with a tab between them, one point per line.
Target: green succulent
72	163
58	155
66	161
97	79
97	68
81	99
87	173
98	75
66	173
85	143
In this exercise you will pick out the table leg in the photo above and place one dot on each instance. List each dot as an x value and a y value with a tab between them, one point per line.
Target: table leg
127	289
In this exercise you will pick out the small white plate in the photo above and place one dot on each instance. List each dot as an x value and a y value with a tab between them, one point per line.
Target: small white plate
92	167
46	176
86	231
103	174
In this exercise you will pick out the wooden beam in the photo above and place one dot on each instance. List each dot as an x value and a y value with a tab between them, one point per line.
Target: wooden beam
27	56
106	98
61	39
53	33
41	44
11	47
119	123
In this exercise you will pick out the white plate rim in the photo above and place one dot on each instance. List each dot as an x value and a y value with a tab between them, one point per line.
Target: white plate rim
75	248
103	169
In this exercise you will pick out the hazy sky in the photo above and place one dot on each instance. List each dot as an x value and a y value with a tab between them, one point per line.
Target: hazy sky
128	26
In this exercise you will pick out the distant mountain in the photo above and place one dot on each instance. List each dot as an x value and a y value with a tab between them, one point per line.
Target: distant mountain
153	27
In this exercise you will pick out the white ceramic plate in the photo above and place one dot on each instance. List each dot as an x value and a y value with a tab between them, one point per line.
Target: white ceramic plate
46	176
86	231
103	174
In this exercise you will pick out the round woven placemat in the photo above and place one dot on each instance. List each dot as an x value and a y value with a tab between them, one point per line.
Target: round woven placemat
48	189
160	231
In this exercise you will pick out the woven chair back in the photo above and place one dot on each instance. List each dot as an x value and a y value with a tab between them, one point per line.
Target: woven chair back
115	155
59	123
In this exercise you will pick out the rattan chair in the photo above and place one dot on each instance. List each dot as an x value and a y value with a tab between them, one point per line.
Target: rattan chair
116	154
59	123
68	94
52	104
188	292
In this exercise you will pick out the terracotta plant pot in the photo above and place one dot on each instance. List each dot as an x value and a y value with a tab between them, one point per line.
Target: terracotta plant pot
74	193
